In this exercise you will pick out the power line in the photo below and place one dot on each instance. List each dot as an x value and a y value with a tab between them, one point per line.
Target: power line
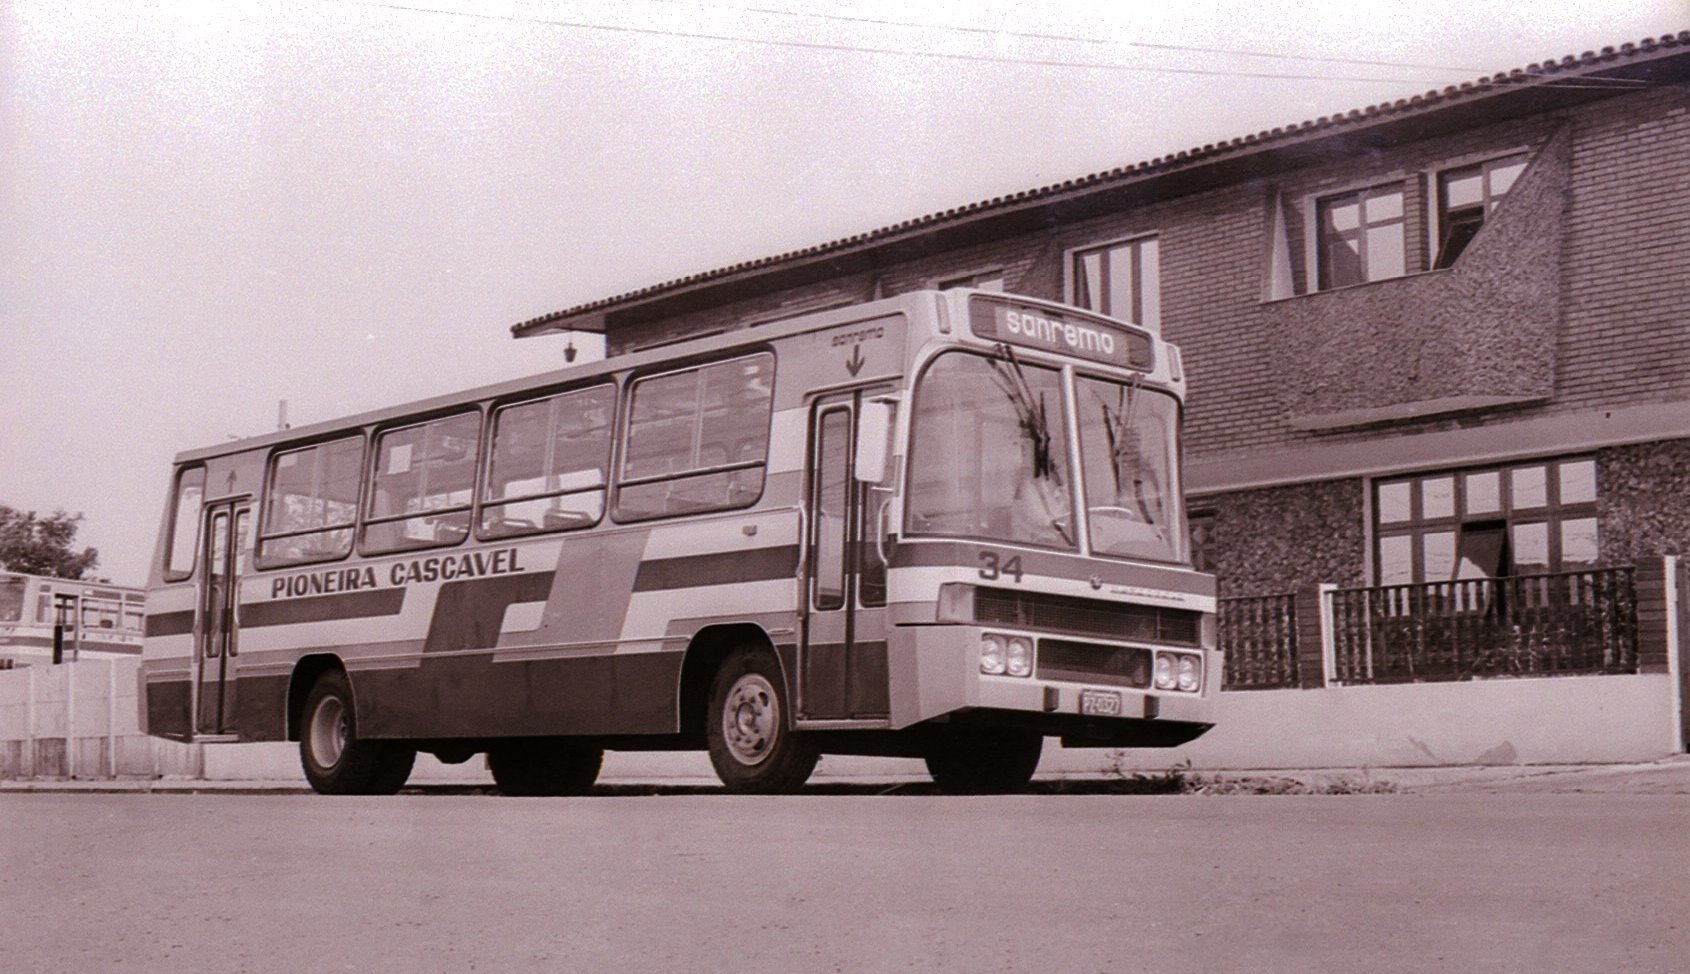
1588	83
865	49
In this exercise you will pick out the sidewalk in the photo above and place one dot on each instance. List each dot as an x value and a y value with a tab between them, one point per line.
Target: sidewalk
1670	776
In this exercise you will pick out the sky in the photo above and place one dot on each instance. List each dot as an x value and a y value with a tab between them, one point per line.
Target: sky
208	208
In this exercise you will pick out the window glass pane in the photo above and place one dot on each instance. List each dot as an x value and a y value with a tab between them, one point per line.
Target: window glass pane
1150	282
1438	549
1123	272
11	597
1384	205
1396	559
1502	176
684	427
1385	252
185	533
1437	497
1463	187
1342	216
1127	442
1484	492
1528	487
1394	502
833	442
989	453
1531	547
1088	280
1578	543
426	471
1578	481
1342	266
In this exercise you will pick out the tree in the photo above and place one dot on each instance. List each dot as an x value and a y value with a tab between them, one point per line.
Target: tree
42	545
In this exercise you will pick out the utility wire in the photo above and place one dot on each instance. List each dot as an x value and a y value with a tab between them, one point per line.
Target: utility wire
943	55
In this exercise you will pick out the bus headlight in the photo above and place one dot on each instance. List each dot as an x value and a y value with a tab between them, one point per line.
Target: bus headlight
1165	679
1179	671
1190	674
1019	657
993	654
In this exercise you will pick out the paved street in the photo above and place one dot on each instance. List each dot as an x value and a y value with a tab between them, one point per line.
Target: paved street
702	882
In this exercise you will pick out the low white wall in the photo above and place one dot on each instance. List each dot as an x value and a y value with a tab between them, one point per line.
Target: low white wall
1549	720
64	721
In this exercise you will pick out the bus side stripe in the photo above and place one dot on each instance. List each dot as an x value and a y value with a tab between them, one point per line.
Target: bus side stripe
721	568
322	608
170	623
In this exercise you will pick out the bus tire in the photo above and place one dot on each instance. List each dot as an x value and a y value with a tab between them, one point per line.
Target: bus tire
984	761
544	768
748	730
336	761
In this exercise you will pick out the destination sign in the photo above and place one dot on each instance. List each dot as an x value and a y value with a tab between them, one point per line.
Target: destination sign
1043	328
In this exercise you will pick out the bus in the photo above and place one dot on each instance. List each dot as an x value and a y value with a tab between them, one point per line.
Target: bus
93	620
944	525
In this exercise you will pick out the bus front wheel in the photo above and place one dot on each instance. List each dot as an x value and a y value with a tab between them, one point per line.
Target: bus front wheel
983	762
541	768
336	761
747	727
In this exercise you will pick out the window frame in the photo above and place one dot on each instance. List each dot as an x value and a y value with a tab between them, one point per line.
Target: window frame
171	573
973	279
1553	512
263	563
372	461
1435	210
625	430
490	437
1315	265
1071	278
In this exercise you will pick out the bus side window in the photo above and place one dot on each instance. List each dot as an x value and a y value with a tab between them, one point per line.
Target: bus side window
311	503
697	440
185	524
549	463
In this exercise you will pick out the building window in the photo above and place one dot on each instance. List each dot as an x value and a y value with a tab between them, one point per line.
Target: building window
991	280
1521	519
1360	236
1121	280
1466	196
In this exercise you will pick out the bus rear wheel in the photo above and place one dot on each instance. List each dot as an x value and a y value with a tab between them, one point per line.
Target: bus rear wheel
751	741
544	768
336	761
983	762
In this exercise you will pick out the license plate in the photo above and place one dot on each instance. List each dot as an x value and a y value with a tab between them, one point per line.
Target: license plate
1100	703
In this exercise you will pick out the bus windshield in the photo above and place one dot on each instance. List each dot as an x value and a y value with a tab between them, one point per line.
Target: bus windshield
989	454
11	598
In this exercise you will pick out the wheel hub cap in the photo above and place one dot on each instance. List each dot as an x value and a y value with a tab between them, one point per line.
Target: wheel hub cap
751	719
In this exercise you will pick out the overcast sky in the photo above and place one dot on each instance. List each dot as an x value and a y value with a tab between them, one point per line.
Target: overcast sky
209	207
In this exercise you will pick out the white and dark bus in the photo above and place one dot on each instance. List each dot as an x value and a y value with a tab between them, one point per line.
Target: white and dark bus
944	525
44	620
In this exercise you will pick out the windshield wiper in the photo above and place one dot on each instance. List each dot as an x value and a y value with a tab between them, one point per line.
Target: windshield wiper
1032	417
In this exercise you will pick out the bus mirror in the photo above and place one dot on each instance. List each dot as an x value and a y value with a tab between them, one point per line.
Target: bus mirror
874	441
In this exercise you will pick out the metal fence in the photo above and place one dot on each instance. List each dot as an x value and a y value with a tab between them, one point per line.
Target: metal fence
1526	625
1258	637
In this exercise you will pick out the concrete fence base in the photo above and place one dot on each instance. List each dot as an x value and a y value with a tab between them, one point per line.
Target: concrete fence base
78	721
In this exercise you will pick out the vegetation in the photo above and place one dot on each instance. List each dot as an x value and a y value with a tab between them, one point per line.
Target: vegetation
43	545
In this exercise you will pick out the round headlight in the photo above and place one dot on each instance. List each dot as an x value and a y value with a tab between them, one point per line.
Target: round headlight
1165	679
1019	661
1190	674
991	653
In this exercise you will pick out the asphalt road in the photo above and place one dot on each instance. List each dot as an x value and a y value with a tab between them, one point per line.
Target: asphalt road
691	882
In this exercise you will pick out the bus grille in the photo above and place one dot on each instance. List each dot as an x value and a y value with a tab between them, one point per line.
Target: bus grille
1090	617
1125	666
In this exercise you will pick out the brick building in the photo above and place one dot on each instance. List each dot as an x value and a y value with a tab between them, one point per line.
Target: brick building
1442	338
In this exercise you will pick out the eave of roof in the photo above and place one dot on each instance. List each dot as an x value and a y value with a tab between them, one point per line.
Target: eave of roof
1522	91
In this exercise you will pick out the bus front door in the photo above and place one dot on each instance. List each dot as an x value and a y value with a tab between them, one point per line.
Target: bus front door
218	639
842	668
